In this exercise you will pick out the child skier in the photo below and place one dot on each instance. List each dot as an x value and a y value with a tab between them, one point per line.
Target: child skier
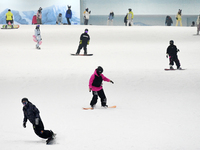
172	53
32	114
9	18
38	36
84	41
95	85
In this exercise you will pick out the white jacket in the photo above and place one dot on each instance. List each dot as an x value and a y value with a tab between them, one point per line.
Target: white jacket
86	15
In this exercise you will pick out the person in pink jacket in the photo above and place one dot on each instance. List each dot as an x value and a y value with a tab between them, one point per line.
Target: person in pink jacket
95	85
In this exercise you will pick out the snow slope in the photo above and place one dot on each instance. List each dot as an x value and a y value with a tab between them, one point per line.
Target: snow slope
156	110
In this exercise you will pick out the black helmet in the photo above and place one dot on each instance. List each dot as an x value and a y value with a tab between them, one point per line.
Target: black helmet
99	70
25	101
9	10
130	9
171	42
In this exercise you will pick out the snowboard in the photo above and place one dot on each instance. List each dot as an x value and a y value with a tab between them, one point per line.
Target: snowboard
166	69
52	140
81	55
90	108
15	26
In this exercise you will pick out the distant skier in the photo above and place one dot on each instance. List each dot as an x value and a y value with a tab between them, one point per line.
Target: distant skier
86	15
39	16
198	24
110	18
32	114
179	17
172	54
9	18
130	17
95	85
68	15
168	21
84	41
38	36
59	19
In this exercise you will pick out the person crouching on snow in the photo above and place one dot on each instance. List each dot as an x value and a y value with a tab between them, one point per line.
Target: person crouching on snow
38	36
95	85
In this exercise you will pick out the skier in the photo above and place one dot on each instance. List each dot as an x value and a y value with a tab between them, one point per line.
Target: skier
9	18
38	36
39	16
59	19
168	21
110	18
179	18
130	17
172	54
86	16
198	24
68	15
84	41
95	85
32	114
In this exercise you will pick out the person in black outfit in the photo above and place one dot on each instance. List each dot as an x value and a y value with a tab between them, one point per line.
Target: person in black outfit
172	53
32	114
84	41
168	21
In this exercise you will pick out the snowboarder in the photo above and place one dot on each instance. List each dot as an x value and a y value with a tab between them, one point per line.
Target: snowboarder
39	16
172	54
179	18
86	15
38	36
9	18
198	24
130	17
168	21
95	85
59	19
68	15
110	18
32	114
84	41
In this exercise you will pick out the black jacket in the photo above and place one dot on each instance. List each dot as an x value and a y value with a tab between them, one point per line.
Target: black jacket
172	50
30	113
85	38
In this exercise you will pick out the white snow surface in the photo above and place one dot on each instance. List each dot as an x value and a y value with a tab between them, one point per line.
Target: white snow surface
156	109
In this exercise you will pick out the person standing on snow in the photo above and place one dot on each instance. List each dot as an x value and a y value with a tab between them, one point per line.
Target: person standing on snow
168	21
172	54
86	16
130	17
38	36
179	17
110	18
68	15
95	85
198	24
32	114
84	41
9	18
39	16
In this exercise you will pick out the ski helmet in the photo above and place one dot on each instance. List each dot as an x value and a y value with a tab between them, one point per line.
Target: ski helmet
130	9
37	26
9	10
171	42
99	70
86	30
25	101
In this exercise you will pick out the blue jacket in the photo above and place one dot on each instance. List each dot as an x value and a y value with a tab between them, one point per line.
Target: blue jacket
68	14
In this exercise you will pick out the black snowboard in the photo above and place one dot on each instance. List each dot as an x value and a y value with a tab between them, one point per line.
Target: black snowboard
81	55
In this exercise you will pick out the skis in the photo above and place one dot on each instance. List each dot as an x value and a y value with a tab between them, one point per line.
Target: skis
90	108
172	69
51	140
81	55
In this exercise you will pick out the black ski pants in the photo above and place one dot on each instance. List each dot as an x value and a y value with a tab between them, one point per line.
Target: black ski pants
84	46
173	59
39	130
68	21
97	94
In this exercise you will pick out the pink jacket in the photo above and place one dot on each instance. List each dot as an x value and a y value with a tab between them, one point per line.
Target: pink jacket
93	88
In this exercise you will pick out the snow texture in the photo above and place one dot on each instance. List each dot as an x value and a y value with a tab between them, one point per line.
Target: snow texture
49	15
156	109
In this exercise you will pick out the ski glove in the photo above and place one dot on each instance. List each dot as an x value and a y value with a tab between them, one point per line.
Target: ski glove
167	55
37	121
88	43
80	42
90	89
24	124
111	81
